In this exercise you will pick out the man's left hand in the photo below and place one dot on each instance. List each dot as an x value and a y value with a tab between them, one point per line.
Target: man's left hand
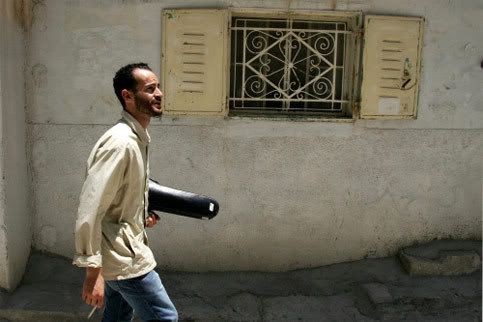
151	220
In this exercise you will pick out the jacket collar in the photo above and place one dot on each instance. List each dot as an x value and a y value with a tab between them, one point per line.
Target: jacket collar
137	128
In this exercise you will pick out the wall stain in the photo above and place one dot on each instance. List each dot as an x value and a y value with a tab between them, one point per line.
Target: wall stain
450	84
442	109
39	15
39	75
23	13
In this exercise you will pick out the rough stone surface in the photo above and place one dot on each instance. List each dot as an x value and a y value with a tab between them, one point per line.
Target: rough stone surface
431	250
314	218
377	293
442	258
293	194
365	290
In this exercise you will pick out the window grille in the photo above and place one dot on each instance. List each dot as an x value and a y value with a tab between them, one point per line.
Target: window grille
287	66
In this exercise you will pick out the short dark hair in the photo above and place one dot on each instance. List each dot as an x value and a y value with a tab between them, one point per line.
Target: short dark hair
124	79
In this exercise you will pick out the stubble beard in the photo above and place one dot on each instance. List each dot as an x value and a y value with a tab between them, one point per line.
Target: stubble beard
144	107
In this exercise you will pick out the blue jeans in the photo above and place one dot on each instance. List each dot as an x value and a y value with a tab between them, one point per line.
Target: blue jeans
145	294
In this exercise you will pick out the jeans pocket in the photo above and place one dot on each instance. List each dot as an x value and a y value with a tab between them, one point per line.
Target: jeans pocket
139	285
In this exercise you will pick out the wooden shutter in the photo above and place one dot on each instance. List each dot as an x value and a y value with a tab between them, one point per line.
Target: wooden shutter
194	60
391	67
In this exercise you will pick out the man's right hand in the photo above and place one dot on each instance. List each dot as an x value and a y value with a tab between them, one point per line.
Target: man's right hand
93	288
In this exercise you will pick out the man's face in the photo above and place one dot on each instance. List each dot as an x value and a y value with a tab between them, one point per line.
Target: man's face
147	97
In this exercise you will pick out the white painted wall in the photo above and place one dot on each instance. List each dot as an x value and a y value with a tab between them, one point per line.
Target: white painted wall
292	194
15	211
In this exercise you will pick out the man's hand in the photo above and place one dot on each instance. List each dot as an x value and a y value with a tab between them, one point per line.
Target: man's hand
151	220
93	289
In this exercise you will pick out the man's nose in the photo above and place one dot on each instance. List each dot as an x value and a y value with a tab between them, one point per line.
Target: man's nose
158	93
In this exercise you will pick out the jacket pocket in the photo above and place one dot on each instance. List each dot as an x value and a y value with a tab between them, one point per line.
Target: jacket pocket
135	243
127	240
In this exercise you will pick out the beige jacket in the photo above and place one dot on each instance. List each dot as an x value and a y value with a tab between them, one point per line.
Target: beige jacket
109	230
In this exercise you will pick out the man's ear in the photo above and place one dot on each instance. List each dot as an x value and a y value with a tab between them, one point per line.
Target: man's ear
127	95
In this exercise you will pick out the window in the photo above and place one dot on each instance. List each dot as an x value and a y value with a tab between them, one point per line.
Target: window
289	66
265	62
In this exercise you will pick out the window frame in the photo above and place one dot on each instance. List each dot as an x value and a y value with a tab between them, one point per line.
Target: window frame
352	59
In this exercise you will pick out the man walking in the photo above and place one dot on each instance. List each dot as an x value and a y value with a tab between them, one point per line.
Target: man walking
110	237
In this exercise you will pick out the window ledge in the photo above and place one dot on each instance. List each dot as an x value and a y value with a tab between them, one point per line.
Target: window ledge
292	119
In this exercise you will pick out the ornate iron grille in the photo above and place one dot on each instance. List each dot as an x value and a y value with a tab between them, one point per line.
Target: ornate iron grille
288	66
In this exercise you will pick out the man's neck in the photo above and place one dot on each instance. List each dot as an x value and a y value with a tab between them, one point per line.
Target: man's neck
142	118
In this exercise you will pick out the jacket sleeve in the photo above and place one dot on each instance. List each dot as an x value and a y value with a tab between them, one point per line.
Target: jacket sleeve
104	178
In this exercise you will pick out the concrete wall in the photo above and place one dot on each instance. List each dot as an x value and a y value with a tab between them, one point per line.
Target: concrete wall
15	210
292	194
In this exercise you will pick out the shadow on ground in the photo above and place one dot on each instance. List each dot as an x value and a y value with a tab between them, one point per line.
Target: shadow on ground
365	290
